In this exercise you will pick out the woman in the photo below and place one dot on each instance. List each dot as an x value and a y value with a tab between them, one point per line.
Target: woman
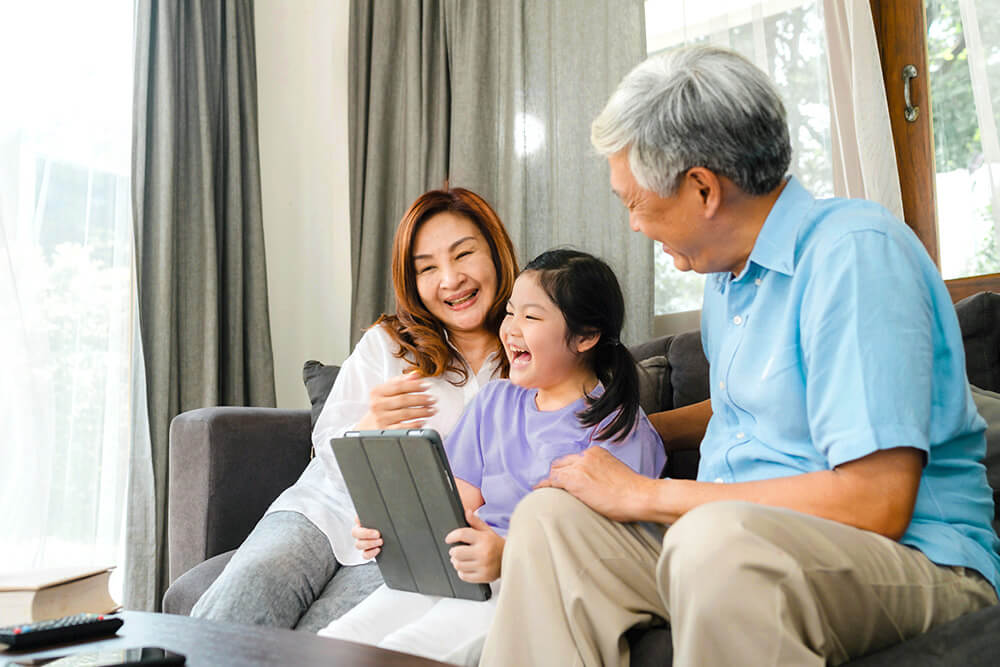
453	268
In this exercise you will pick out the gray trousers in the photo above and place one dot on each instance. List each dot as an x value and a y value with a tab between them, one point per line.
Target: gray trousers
285	575
740	584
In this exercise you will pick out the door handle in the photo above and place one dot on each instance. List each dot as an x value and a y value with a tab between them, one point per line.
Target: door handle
910	113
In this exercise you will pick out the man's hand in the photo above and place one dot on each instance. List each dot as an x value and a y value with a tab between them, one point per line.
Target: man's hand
366	540
478	560
602	482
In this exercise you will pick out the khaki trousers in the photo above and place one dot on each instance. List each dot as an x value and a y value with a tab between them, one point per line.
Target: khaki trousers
740	584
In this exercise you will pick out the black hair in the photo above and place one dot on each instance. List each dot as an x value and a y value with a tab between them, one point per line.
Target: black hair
587	292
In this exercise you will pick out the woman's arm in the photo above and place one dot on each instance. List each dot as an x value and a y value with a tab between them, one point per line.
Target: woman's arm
370	392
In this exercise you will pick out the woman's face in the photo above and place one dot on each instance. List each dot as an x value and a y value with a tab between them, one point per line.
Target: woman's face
456	279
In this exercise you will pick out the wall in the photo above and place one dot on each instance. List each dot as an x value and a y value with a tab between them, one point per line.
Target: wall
302	102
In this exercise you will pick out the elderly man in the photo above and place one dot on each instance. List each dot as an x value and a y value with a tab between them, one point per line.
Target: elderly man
840	504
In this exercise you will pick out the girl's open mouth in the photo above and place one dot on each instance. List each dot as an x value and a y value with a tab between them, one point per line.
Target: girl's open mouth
519	355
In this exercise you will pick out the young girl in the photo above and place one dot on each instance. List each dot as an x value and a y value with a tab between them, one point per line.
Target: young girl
572	384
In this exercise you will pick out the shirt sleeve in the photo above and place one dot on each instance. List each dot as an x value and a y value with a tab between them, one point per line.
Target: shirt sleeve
366	368
464	444
867	324
642	450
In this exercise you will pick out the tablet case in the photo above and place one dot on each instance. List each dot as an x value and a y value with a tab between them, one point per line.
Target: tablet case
402	485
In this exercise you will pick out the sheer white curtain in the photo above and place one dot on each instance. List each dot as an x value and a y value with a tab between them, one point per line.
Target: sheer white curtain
823	58
67	329
864	158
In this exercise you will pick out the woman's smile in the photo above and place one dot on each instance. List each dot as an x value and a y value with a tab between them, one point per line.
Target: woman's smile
465	299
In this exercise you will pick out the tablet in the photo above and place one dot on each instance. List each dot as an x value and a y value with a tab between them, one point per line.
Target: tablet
402	485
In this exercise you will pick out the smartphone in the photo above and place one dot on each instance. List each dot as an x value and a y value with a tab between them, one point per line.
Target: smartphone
144	655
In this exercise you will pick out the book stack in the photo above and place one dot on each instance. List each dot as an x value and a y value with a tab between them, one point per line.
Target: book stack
26	597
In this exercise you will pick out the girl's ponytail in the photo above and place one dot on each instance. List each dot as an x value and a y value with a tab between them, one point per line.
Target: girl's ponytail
587	292
615	368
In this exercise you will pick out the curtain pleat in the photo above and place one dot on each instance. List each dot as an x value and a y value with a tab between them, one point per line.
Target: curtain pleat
496	97
202	284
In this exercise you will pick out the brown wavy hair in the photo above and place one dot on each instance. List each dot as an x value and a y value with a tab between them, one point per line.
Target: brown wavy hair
421	336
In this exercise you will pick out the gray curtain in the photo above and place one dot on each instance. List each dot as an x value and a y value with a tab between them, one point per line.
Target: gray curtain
496	97
199	238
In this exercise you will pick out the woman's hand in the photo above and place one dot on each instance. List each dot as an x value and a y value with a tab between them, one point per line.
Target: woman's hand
478	560
366	540
400	402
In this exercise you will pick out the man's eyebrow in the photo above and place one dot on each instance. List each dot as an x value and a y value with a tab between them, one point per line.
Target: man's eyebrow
451	248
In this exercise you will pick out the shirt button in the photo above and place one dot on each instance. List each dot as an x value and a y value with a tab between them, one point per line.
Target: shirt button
757	281
741	435
722	385
737	320
719	480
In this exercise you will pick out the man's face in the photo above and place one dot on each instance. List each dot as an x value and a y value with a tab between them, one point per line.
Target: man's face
673	221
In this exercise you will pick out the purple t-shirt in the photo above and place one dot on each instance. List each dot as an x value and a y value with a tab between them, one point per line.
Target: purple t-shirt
504	445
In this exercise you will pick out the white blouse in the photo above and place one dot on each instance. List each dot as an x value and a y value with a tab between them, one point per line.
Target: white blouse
320	493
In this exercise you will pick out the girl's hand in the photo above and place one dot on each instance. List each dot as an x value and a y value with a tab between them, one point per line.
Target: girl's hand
478	560
400	402
366	540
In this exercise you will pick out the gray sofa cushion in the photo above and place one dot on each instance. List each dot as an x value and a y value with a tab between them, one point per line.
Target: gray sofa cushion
979	317
654	383
183	593
988	404
319	379
688	369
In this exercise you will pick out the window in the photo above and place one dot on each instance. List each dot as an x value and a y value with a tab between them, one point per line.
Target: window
66	290
786	39
963	49
945	176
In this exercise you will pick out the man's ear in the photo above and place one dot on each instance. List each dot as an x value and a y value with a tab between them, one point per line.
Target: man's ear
708	186
586	342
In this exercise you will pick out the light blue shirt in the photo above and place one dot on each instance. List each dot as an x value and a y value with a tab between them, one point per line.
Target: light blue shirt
839	339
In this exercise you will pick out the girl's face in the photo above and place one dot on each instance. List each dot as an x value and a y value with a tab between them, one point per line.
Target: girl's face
534	337
456	279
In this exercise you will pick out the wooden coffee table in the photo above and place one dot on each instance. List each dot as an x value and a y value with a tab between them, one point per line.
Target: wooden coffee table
209	643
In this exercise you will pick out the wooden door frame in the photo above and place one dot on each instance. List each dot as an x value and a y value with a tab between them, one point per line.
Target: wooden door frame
900	30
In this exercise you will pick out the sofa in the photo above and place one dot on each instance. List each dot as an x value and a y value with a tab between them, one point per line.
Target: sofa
227	465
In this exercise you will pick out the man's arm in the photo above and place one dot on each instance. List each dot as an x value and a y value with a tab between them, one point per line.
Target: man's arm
682	428
876	492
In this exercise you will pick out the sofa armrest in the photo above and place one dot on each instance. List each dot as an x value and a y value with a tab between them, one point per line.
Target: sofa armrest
226	465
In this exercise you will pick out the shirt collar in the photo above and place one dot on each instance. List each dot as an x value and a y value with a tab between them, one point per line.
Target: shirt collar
491	363
774	248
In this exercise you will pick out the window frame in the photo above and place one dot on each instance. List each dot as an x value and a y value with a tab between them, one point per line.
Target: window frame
901	33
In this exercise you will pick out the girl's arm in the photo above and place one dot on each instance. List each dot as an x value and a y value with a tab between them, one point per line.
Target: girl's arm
472	497
478	549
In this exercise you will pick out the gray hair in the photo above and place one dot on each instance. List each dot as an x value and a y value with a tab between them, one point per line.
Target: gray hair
697	106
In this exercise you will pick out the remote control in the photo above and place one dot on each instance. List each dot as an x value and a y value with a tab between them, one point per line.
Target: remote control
58	630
